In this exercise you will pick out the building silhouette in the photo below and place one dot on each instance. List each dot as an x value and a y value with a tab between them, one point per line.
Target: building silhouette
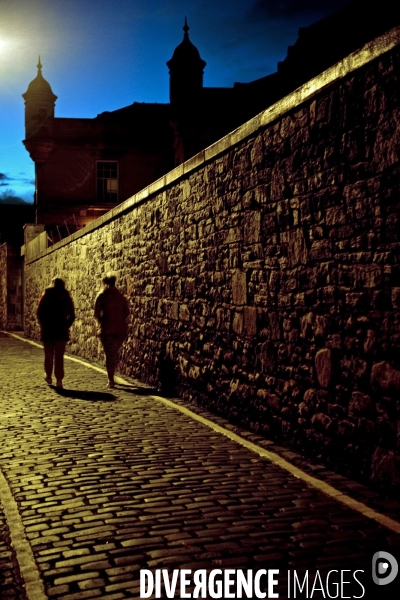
84	167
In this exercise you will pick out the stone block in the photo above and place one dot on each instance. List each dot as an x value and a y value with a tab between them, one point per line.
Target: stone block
233	235
360	405
369	341
321	250
257	151
385	469
184	313
251	227
367	276
250	321
239	288
172	310
396	297
297	249
321	421
384	376
274	326
267	357
237	324
323	367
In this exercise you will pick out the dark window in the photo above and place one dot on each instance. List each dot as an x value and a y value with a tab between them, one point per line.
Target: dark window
107	181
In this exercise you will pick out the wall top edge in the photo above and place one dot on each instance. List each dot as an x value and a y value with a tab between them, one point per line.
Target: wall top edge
347	65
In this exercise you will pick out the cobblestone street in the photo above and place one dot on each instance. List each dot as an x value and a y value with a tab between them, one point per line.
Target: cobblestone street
98	484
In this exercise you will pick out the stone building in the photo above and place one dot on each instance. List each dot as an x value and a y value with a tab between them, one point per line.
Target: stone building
10	288
84	167
12	219
263	276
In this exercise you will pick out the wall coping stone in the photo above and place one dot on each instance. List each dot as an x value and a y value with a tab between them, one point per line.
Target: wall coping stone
350	63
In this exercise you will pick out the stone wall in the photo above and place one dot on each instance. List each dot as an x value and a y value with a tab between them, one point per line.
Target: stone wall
3	286
10	288
264	274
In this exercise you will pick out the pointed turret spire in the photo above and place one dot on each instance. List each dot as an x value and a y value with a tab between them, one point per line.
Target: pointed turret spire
185	95
39	103
186	30
39	84
186	62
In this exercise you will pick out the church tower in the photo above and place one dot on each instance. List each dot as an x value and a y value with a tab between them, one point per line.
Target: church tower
186	72
185	90
39	120
39	106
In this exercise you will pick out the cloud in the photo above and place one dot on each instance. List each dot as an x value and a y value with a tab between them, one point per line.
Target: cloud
9	197
17	189
5	179
22	179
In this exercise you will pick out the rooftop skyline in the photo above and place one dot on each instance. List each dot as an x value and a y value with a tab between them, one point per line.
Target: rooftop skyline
105	55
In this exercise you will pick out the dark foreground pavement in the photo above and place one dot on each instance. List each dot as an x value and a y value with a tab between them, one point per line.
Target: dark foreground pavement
97	485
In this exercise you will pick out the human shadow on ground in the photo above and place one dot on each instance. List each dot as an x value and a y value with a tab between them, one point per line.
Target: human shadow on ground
145	391
137	389
84	394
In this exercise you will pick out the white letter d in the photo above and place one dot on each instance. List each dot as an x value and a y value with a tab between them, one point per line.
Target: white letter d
143	574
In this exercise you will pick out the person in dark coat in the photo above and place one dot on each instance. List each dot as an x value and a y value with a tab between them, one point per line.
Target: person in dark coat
111	311
55	314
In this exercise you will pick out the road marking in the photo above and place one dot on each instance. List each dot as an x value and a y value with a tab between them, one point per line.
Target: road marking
324	487
29	572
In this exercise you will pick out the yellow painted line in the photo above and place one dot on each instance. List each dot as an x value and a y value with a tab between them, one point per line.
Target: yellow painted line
273	457
287	466
29	572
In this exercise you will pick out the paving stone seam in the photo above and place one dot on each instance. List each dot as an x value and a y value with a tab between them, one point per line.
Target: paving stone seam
287	466
33	583
273	457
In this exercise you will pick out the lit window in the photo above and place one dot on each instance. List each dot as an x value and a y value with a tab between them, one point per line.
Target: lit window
107	181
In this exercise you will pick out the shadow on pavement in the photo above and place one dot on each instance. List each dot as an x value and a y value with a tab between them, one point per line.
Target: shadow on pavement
137	389
84	394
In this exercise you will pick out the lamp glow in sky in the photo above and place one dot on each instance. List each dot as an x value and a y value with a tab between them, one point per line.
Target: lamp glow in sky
103	55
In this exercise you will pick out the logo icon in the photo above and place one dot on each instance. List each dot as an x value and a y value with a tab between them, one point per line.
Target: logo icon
384	568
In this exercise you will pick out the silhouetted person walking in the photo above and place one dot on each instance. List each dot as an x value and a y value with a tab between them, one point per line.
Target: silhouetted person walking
55	314
111	311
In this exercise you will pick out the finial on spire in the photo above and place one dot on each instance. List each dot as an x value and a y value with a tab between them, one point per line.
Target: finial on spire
186	29
39	65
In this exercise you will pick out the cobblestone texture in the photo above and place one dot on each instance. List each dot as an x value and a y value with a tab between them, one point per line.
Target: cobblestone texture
110	483
265	284
11	585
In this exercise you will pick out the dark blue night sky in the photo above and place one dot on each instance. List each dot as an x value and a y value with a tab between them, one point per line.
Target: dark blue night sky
102	55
